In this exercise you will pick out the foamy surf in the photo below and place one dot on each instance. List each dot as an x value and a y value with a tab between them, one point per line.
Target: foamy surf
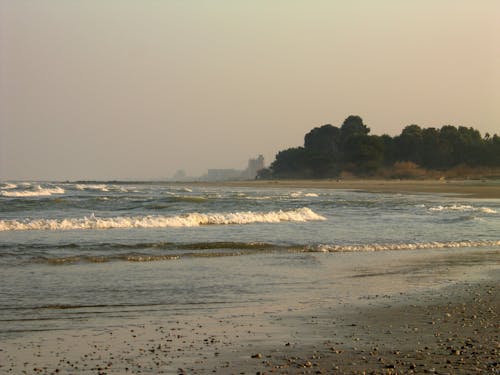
8	185
171	251
99	187
37	192
189	220
462	208
401	246
299	194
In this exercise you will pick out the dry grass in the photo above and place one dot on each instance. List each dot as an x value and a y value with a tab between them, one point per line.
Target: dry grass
411	171
405	170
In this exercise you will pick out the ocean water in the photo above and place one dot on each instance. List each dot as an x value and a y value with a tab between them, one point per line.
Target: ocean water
89	254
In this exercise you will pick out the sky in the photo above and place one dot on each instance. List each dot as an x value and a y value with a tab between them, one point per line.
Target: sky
140	88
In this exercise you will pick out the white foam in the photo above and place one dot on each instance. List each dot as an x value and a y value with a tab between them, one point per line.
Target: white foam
488	210
37	192
188	220
299	194
402	246
8	186
463	207
100	187
263	198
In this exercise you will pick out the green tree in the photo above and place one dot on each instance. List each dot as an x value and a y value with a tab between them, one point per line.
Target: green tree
430	148
328	150
291	163
352	126
409	144
389	148
448	146
365	152
469	146
324	140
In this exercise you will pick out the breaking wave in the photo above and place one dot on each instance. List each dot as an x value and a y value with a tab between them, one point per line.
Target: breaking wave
38	191
8	185
463	208
100	187
103	188
402	246
104	259
150	221
299	194
171	251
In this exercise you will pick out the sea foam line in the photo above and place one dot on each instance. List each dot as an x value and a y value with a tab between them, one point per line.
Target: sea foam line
8	185
38	192
100	187
401	246
464	208
245	250
188	220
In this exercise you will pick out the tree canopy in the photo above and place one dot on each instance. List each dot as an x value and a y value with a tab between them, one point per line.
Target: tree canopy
328	150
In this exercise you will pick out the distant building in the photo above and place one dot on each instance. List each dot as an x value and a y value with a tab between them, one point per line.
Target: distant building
223	174
180	175
254	165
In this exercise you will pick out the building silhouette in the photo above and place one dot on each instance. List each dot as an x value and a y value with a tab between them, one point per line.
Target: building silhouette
254	166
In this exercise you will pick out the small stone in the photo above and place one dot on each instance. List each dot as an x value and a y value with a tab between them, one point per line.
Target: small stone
257	355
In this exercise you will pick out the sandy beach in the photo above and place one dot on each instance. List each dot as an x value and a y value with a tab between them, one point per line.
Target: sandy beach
471	188
442	319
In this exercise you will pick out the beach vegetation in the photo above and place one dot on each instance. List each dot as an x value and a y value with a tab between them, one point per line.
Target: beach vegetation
331	151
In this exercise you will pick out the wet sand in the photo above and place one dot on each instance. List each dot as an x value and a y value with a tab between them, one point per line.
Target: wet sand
449	328
453	331
471	188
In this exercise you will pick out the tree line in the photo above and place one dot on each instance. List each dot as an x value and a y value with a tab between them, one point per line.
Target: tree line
330	150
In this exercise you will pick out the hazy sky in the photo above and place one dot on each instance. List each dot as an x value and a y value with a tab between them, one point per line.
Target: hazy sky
114	89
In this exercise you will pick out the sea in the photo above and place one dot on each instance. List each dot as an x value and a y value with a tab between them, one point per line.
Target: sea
90	254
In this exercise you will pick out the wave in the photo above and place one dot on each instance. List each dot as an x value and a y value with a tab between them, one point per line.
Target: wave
225	249
150	221
242	246
37	192
104	188
114	246
187	199
100	187
401	246
8	186
462	208
105	258
263	198
299	194
137	258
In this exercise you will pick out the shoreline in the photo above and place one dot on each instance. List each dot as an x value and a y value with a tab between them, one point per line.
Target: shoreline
443	320
453	330
489	189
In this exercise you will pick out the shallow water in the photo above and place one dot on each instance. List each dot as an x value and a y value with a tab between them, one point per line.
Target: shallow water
82	254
